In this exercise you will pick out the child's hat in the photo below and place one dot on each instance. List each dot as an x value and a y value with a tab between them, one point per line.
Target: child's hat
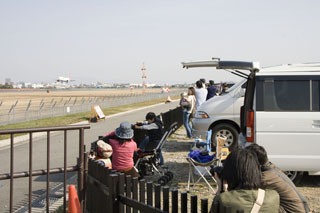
106	149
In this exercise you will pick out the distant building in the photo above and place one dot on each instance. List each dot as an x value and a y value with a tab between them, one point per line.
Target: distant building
8	81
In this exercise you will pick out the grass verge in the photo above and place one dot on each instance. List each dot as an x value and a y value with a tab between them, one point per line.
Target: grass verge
77	117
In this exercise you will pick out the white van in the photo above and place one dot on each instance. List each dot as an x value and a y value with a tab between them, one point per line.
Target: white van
281	112
222	115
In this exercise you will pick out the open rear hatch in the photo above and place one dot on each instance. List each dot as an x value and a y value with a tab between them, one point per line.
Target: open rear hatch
234	67
230	66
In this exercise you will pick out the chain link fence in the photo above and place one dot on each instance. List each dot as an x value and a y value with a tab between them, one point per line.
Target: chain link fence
63	106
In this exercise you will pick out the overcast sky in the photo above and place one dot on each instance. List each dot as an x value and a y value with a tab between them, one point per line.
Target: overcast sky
104	40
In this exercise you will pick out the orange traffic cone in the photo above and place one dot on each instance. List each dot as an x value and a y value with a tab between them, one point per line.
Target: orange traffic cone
74	204
168	100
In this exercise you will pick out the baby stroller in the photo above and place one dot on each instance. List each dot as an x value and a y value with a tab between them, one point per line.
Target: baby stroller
148	161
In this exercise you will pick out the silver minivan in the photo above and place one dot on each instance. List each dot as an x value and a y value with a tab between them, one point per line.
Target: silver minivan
281	112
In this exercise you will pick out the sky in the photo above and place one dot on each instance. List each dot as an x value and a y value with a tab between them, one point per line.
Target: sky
109	40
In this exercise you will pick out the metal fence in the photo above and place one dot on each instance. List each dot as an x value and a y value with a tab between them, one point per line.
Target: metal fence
80	167
56	107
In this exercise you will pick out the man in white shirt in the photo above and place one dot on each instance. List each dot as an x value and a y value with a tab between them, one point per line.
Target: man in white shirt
201	94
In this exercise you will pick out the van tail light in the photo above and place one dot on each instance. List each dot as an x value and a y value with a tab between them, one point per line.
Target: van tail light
250	123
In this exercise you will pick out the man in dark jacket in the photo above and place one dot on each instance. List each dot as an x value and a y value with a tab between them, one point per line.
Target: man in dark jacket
154	128
211	90
273	178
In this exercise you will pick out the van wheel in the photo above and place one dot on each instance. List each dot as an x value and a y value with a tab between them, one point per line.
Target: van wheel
228	131
295	176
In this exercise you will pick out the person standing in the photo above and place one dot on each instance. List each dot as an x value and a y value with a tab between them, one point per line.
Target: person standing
200	93
188	105
211	90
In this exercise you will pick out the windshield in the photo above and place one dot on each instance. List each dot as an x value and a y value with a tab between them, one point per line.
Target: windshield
235	86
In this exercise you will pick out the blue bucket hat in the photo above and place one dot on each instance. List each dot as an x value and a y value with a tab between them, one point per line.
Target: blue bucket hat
124	131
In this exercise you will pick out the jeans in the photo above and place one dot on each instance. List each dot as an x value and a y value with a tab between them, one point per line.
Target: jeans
143	144
186	123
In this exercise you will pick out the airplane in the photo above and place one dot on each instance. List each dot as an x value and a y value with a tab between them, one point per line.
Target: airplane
64	79
165	89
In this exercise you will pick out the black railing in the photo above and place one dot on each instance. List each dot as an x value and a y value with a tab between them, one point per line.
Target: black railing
111	191
46	171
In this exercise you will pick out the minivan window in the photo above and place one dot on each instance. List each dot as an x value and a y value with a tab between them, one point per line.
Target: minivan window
280	94
315	95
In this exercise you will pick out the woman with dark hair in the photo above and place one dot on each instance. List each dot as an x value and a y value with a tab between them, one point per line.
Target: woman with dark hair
188	107
123	147
242	175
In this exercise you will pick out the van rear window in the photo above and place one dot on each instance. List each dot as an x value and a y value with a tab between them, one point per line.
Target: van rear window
279	93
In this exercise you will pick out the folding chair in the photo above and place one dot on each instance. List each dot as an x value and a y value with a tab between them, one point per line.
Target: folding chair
221	154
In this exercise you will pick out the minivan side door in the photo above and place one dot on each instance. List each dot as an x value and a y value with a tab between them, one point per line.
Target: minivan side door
287	120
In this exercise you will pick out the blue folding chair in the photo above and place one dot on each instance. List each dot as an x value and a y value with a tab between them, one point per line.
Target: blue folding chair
207	143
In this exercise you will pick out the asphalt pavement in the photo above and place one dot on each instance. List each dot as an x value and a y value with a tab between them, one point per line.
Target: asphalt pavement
21	156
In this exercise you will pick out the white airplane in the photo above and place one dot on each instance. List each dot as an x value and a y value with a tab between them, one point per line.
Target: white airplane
165	89
64	79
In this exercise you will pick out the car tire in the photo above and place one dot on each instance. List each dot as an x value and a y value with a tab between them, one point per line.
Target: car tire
295	176
227	130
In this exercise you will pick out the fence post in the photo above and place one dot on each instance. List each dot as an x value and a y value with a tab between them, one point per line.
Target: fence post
165	201
40	109
194	206
149	194
10	110
64	107
81	166
142	186
85	174
128	191
204	205
112	182
157	196
14	110
120	191
135	190
75	100
52	107
174	201
27	117
184	202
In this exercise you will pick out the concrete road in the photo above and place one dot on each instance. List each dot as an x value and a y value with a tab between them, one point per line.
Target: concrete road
21	156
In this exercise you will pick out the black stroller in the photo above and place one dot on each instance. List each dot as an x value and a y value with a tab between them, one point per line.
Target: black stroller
148	161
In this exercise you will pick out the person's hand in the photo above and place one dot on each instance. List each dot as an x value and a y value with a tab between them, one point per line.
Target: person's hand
139	122
137	127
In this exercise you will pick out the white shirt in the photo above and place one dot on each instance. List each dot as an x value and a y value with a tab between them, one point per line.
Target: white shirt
191	100
201	96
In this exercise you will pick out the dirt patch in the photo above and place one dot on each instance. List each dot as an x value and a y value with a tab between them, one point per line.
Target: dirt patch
176	150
